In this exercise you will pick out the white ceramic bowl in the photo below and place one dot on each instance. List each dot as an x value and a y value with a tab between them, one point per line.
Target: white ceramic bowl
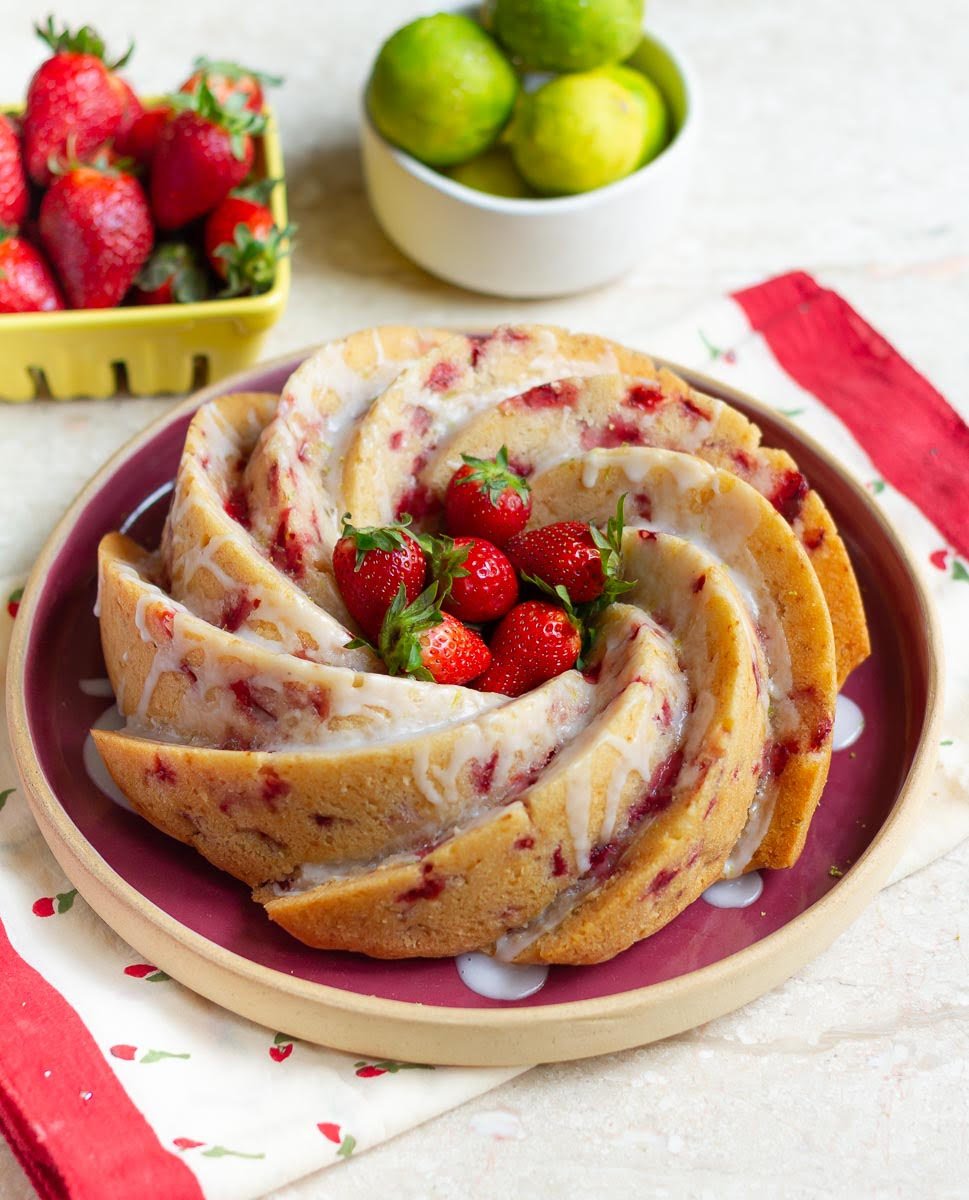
541	247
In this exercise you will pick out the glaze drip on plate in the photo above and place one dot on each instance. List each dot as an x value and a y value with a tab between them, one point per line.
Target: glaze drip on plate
96	687
500	980
735	893
97	772
849	724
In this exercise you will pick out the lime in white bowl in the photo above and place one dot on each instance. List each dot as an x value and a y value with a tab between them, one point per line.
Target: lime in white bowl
523	247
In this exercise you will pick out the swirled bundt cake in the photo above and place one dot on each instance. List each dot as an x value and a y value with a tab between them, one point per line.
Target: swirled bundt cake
642	711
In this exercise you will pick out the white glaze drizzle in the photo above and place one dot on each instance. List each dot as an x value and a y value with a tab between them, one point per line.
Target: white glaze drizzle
740	892
758	822
721	529
849	723
578	802
451	410
379	706
515	941
149	502
500	980
97	772
96	687
640	750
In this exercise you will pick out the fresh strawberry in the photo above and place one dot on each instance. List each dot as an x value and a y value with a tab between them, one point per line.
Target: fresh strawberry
244	245
74	102
172	275
96	228
476	581
14	197
140	140
371	564
26	281
535	642
228	79
575	556
485	499
417	639
203	153
563	553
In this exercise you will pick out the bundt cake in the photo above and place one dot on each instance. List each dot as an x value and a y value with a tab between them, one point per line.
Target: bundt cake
374	808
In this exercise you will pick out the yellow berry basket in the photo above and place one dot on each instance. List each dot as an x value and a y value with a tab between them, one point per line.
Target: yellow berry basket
145	350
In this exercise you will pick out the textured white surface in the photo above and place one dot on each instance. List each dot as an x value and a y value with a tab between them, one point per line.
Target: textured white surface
834	141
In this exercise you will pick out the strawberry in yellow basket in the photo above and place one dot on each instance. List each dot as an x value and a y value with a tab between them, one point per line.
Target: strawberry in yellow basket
26	281
75	102
96	227
204	152
225	79
14	198
244	245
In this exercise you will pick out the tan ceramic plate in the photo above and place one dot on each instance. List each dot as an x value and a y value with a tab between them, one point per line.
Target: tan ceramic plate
201	927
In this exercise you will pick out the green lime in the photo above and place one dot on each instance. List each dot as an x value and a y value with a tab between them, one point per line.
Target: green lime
567	35
494	172
441	89
655	112
577	133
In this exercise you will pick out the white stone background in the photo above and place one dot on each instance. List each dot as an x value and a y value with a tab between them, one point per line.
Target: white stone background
834	140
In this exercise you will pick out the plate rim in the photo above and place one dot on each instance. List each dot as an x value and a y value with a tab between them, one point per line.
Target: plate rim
402	1029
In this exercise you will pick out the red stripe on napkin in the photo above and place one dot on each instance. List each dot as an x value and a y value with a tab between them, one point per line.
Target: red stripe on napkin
917	442
72	1148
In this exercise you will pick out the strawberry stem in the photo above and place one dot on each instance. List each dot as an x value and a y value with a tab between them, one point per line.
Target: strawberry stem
234	70
377	537
178	262
84	41
237	120
250	261
495	476
609	546
259	191
399	644
446	560
102	162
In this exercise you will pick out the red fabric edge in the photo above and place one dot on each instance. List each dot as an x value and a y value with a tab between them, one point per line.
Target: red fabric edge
71	1148
916	440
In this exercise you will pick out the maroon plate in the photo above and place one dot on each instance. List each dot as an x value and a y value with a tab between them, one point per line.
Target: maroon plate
104	847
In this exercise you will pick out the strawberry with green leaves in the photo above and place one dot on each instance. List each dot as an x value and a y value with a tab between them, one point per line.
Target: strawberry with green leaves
420	640
535	642
371	565
486	499
477	582
575	556
203	152
96	228
227	79
14	197
75	102
172	275
27	283
244	245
